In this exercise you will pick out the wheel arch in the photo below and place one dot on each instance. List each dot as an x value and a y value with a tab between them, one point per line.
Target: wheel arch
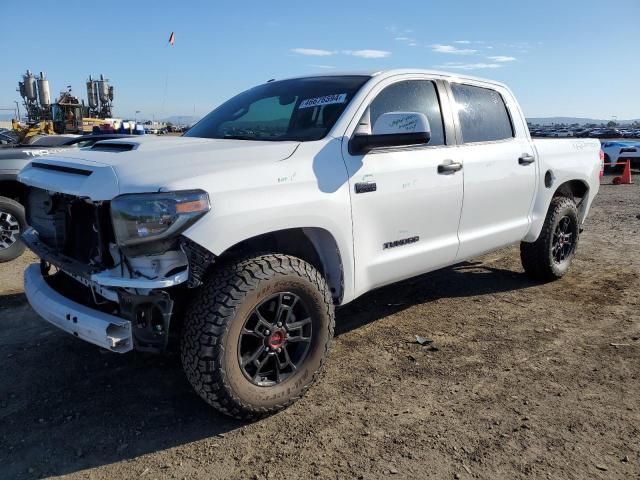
11	188
575	188
314	245
578	190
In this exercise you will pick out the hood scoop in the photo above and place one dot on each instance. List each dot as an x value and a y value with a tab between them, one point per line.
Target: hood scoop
61	168
114	146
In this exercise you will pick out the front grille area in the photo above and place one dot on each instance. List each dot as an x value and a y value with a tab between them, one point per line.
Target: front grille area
72	226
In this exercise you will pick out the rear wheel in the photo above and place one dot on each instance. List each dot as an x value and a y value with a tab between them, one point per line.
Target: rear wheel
257	335
12	223
549	257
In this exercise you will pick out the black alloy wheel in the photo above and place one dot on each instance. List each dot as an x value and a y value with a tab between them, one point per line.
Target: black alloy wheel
563	239
275	339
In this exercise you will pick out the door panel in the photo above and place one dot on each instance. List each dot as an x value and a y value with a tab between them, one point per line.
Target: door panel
412	205
498	192
498	186
407	224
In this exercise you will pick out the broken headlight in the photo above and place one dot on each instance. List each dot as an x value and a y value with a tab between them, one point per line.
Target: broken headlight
146	217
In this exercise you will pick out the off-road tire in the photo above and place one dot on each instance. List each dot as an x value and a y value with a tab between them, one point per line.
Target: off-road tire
216	316
537	257
16	210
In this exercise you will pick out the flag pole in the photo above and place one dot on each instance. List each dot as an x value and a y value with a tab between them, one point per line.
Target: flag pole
171	41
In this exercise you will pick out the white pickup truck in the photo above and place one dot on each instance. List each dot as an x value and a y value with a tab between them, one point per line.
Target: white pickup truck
298	195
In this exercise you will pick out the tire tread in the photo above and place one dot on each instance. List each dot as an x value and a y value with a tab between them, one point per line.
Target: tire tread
210	315
534	255
17	210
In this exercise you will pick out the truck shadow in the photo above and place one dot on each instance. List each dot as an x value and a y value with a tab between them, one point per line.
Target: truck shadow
467	279
66	406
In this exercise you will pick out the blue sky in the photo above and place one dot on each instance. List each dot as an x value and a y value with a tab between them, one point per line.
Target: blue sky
569	58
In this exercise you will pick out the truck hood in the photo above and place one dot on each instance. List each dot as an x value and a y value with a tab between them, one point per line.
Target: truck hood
146	164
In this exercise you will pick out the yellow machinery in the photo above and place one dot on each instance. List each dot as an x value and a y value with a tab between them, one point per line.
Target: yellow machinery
25	132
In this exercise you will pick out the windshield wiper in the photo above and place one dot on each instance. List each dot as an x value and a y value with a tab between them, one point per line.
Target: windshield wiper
239	137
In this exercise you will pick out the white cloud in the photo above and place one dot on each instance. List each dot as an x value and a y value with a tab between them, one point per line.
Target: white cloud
469	66
324	67
451	49
367	53
463	42
313	52
408	41
316	52
502	58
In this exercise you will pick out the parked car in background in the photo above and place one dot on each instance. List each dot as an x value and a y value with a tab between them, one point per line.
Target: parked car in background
8	137
631	133
52	140
610	133
562	133
617	152
14	158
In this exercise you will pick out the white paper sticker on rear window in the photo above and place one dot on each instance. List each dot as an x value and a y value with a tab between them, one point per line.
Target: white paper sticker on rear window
326	100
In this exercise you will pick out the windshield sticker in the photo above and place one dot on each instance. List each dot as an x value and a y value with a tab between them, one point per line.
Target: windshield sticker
326	100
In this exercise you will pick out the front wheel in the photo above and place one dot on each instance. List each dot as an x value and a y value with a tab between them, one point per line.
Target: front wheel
12	223
257	334
549	257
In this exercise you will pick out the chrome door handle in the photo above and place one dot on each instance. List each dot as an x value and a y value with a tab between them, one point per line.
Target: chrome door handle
526	159
449	167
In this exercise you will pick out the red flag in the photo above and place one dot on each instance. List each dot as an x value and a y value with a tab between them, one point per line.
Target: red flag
172	38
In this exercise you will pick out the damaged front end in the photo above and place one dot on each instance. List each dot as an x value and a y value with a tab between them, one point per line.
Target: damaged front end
114	266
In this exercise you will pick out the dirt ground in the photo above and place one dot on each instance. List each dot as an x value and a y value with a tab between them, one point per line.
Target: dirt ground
525	380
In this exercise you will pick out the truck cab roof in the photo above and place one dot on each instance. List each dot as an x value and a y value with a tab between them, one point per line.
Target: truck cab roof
400	71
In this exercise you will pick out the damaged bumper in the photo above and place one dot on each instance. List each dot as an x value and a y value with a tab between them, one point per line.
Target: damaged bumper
115	296
129	306
94	277
104	330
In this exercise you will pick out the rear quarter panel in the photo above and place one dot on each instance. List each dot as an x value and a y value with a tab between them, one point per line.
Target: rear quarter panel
564	160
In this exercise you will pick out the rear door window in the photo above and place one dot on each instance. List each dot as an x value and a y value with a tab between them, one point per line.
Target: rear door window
483	114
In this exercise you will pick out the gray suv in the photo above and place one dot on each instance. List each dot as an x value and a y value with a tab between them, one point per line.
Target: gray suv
13	158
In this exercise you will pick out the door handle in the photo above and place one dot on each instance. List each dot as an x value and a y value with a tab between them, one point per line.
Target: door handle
366	187
526	159
449	167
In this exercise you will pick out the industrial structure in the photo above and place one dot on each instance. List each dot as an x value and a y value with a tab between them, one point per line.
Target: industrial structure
100	97
68	113
30	90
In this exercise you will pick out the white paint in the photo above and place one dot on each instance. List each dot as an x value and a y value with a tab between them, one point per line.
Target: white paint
401	122
260	187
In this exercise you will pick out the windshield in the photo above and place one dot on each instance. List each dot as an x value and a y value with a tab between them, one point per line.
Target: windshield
301	109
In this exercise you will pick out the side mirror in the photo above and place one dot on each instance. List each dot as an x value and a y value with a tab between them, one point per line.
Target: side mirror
393	129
